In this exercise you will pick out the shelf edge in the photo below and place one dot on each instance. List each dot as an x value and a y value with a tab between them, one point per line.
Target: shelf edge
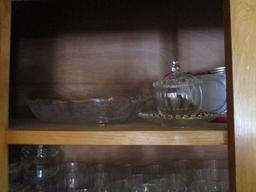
163	137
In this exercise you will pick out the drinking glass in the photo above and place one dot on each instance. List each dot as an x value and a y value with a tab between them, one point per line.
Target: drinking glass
167	185
215	186
199	186
148	187
76	175
16	182
15	172
182	166
214	174
215	164
118	186
43	177
99	181
208	186
153	171
82	190
125	171
42	154
135	181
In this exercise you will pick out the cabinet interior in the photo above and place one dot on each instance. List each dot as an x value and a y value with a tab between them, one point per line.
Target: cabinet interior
121	163
75	50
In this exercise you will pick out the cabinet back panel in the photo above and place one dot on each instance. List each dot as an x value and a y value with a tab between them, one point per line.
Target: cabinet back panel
91	48
141	155
136	155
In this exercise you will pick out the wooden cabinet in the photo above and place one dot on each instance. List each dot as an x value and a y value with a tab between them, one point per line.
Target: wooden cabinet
240	31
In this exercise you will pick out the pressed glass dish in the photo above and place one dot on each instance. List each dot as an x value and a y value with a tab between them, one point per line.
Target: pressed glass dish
99	111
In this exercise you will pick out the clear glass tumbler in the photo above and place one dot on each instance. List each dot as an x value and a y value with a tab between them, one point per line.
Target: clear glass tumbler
118	186
76	175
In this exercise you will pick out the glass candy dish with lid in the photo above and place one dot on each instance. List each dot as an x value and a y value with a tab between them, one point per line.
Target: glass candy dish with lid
178	93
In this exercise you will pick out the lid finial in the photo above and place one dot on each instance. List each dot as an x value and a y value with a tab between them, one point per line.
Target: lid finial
174	66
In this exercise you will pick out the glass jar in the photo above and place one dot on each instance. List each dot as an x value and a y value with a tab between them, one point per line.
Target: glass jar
214	90
178	93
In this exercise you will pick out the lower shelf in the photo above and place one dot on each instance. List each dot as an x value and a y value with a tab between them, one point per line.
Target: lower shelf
140	133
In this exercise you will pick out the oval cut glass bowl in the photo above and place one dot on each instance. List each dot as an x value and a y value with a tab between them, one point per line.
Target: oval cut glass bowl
100	111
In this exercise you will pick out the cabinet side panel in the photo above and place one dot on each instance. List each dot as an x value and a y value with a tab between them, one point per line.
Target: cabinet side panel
228	61
5	20
243	33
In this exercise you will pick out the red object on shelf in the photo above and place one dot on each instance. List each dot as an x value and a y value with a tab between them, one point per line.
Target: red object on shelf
167	74
222	119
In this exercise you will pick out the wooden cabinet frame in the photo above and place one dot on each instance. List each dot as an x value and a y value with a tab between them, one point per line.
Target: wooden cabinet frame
240	46
242	140
5	33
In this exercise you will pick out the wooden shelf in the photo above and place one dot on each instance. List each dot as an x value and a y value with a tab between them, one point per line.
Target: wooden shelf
139	133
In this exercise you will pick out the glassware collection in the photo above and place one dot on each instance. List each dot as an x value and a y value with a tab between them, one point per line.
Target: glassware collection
42	169
179	98
37	170
101	111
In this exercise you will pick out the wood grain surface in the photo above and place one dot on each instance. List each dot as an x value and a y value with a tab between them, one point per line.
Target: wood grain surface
140	133
5	24
243	33
174	138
